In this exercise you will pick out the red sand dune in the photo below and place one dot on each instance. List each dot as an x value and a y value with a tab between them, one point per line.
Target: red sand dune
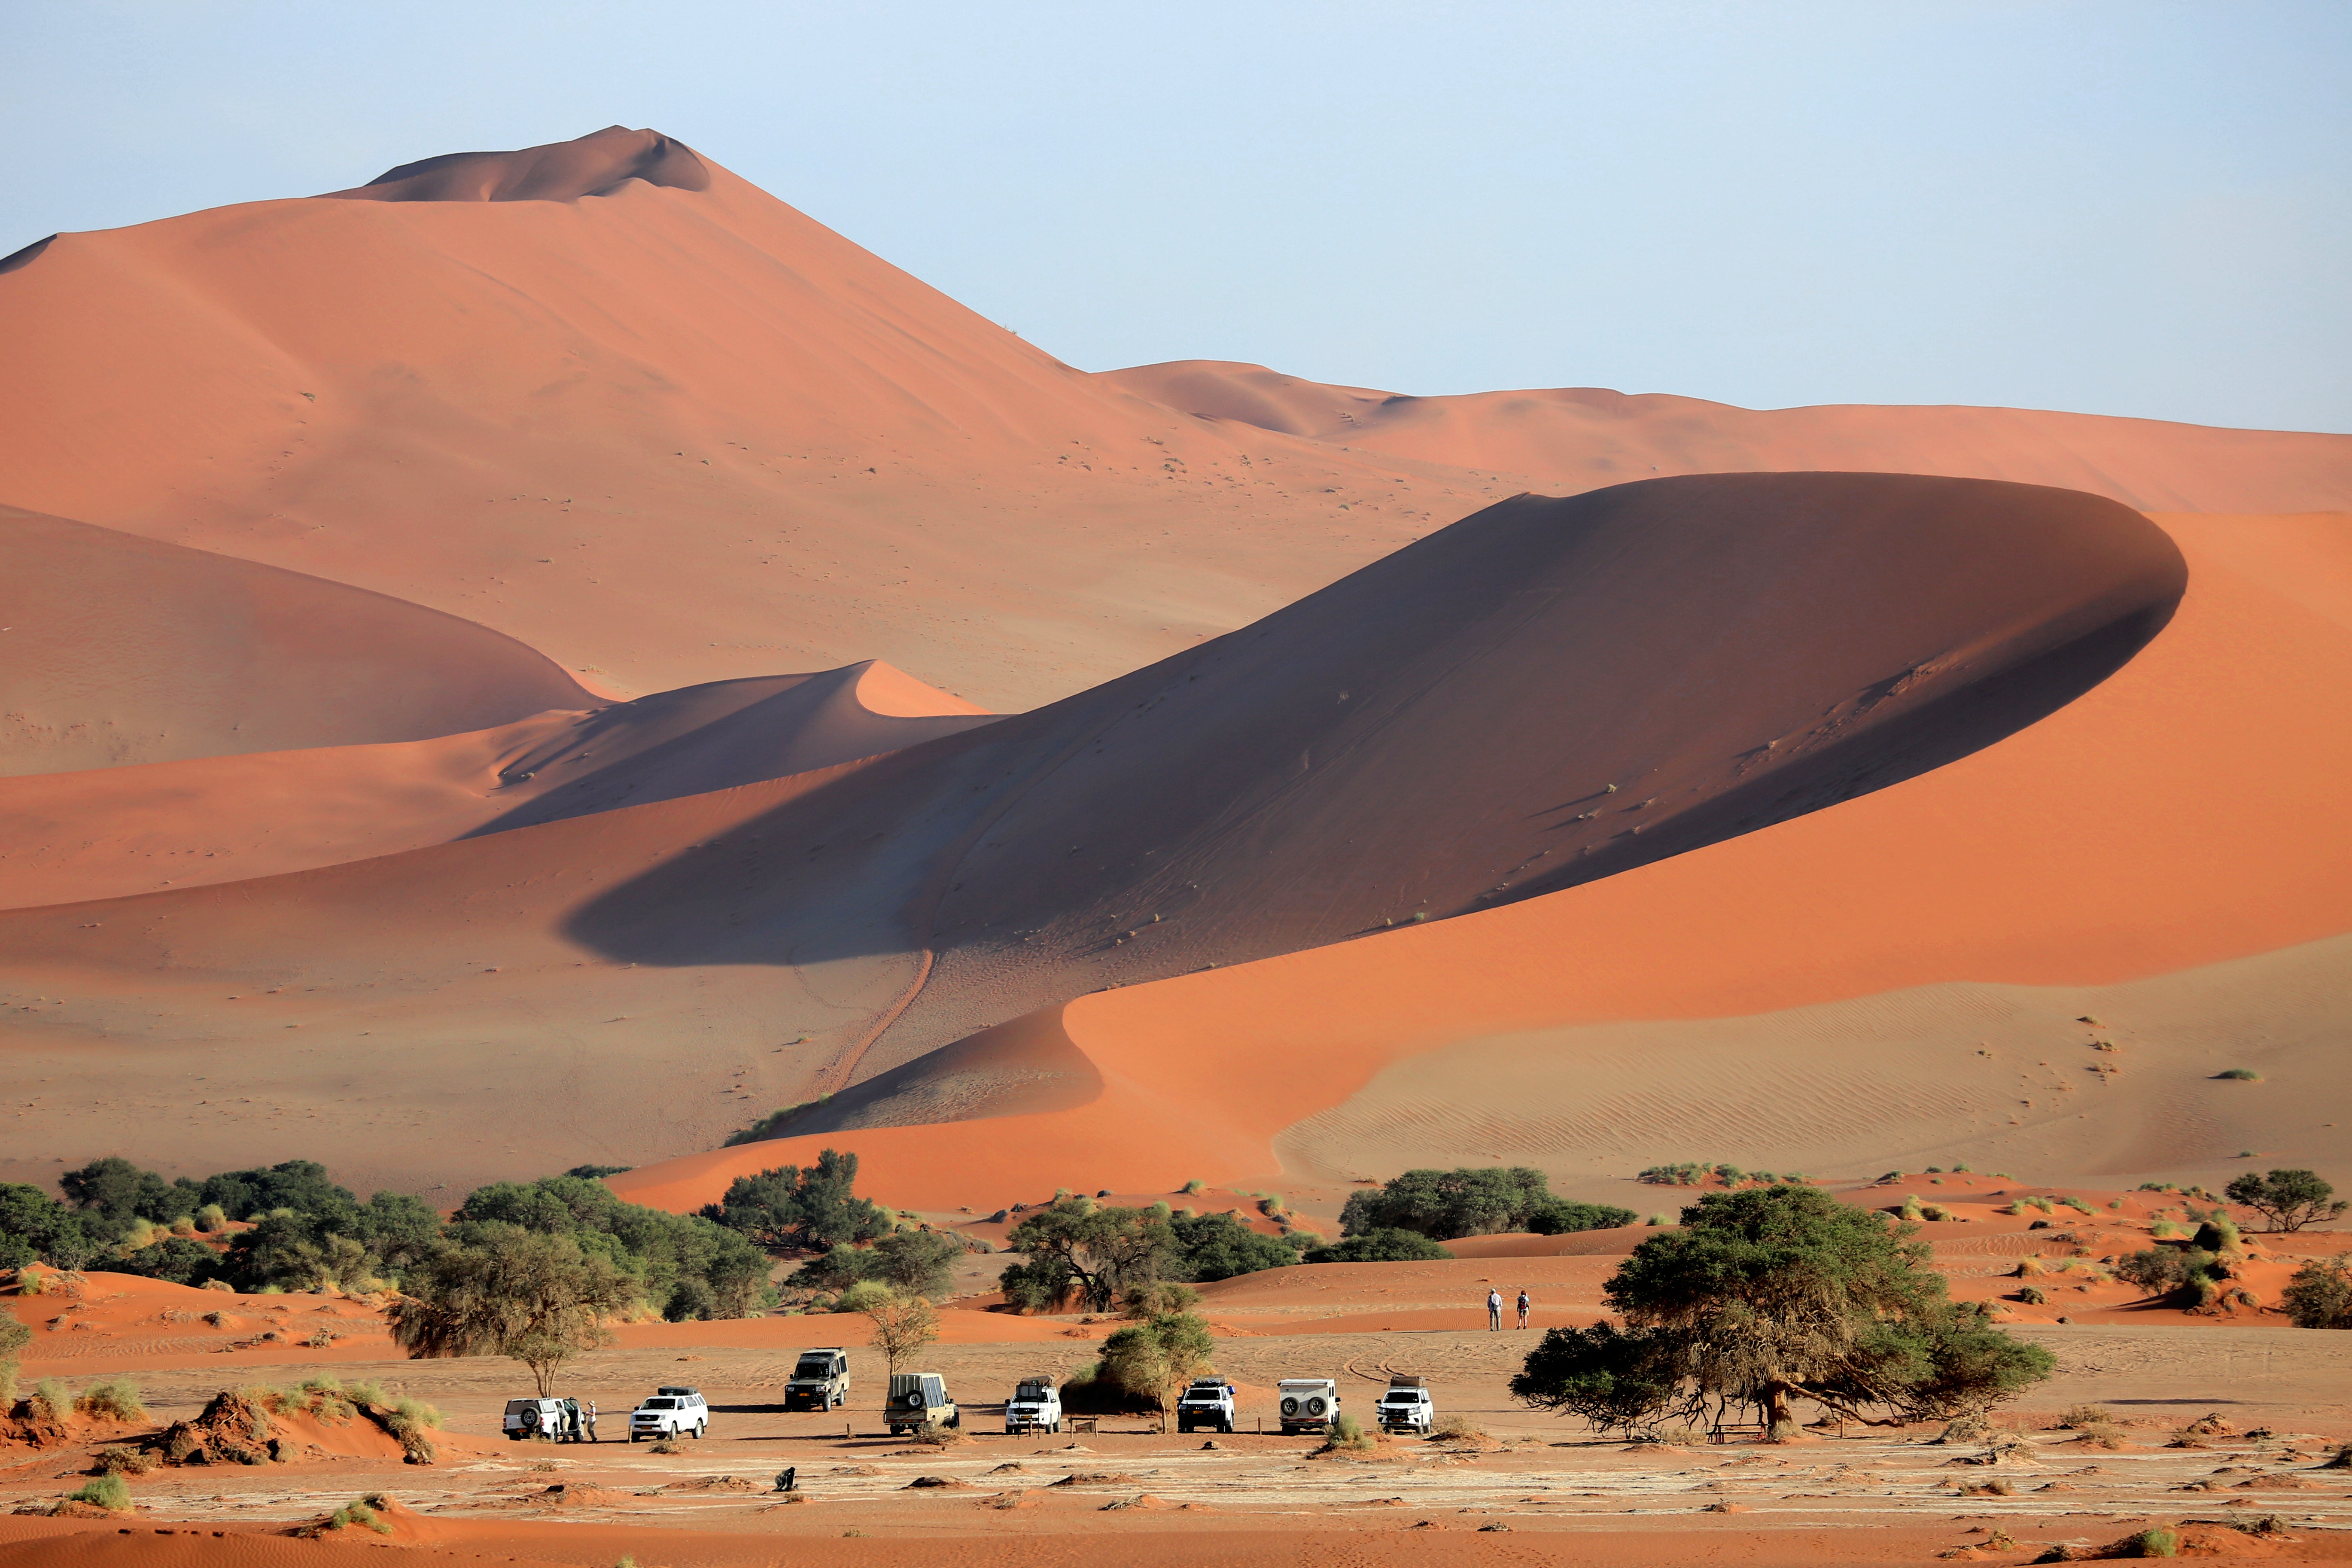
607	398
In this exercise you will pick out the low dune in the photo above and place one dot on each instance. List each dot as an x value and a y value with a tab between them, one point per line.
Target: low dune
119	650
1579	438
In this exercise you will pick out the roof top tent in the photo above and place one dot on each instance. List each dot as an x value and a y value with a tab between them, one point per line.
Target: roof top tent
694	1393
1399	1380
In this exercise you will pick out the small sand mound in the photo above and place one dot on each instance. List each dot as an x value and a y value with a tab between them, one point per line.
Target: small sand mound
1144	1501
1011	1501
711	1484
854	1470
1725	1508
1011	1467
2283	1480
1096	1478
937	1483
576	1494
232	1430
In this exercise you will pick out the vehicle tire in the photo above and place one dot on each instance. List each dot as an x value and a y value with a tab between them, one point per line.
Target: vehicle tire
1315	1406
1227	1428
699	1430
1290	1406
955	1421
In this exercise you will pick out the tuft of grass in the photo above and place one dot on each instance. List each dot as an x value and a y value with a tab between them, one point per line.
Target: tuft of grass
116	1459
1455	1429
1347	1432
2158	1540
2033	1297
2239	1075
109	1491
1195	1188
1659	1219
357	1512
665	1447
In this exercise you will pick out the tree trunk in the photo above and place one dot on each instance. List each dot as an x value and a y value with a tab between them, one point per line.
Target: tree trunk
1779	1419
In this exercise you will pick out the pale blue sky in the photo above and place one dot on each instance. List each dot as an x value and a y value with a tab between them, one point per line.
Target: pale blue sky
2128	208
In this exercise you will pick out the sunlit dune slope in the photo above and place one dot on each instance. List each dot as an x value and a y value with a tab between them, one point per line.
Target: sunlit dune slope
1577	437
2165	854
68	838
1546	694
122	650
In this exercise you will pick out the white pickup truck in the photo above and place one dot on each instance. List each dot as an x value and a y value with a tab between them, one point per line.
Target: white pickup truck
670	1413
1208	1402
1035	1406
1406	1406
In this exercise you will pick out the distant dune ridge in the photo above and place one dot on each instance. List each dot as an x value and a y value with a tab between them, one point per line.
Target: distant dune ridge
1304	674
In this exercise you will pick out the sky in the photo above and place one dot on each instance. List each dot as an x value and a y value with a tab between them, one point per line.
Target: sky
2140	208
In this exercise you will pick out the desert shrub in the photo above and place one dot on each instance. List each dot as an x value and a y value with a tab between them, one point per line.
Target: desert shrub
1195	1188
1659	1219
1469	1201
2154	1269
1160	1296
2158	1540
1560	1218
115	1398
2032	1296
1209	1246
917	1262
1346	1432
211	1217
2030	1265
2287	1200
109	1491
359	1513
1155	1357
791	1207
1079	1249
1383	1245
1455	1429
1912	1209
182	1261
116	1459
1933	1211
2239	1075
2078	1416
863	1296
2319	1295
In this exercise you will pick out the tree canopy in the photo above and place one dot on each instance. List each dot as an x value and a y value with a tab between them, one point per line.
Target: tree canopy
1387	1245
538	1297
789	1208
2287	1200
1768	1294
1159	1356
1472	1201
1077	1247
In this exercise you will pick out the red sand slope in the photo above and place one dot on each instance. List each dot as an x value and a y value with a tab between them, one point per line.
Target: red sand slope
2028	862
122	650
1544	695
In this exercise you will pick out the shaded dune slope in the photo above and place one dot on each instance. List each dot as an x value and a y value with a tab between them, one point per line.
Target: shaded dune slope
1579	436
104	833
123	649
593	166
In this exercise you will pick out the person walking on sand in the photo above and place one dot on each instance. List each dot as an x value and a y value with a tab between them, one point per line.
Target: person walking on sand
592	1404
1523	1305
1493	1309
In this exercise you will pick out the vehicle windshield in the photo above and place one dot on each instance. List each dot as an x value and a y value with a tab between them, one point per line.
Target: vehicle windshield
660	1404
1029	1390
813	1367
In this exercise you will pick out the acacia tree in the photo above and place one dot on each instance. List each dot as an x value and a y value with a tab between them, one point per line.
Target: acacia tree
789	1208
1078	1248
539	1298
1769	1295
2287	1200
903	1325
1159	1356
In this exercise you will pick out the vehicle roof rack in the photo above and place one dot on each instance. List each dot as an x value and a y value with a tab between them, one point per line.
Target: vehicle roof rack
1399	1380
668	1388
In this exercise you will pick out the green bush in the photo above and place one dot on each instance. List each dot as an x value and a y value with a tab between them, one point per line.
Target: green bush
2155	1541
1468	1201
1383	1245
1346	1432
2319	1295
109	1491
51	1401
115	1398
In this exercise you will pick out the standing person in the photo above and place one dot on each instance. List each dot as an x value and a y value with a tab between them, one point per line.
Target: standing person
591	1405
1494	1308
1523	1305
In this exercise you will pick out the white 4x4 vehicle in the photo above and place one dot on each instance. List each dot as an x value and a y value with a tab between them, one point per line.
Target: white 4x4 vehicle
1308	1404
1406	1406
1035	1406
671	1412
1208	1402
535	1418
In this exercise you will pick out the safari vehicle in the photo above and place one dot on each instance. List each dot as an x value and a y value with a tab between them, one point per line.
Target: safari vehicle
819	1381
1208	1402
1406	1406
550	1418
1308	1404
917	1397
1035	1406
671	1412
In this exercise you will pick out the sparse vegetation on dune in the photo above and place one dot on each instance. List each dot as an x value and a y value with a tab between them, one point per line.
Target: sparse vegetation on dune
1704	1173
1472	1201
